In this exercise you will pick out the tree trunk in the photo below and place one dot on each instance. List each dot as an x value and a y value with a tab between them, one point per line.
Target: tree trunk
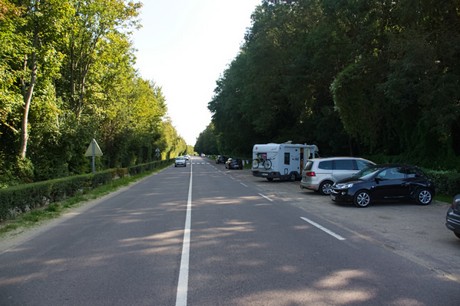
27	94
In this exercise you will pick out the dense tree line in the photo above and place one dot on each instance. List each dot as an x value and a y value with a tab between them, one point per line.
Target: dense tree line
361	77
67	76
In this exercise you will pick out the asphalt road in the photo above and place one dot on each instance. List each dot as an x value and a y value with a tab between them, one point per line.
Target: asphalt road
204	235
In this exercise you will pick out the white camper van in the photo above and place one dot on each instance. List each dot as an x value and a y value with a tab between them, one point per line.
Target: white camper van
282	161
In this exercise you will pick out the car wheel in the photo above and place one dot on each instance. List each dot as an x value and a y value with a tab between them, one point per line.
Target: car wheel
325	187
457	234
292	177
270	179
362	199
423	196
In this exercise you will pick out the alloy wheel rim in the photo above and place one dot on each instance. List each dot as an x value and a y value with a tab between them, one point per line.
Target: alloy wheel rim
425	197
363	199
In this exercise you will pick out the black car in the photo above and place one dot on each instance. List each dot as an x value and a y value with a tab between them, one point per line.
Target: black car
234	163
221	159
383	183
453	216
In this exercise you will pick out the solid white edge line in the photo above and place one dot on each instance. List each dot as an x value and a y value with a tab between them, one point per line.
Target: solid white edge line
182	285
323	228
265	197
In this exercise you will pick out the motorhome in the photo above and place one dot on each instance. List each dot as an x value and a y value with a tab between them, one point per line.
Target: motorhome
283	161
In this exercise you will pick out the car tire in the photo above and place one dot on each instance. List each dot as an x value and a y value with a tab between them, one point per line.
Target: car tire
270	179
362	199
292	177
325	187
457	235
423	196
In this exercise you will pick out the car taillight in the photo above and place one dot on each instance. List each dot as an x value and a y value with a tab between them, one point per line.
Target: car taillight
311	173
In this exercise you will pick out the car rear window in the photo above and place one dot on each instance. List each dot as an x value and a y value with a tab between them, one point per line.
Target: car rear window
325	165
308	165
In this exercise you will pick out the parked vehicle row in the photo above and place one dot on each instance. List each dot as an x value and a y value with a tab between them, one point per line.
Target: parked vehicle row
234	163
347	179
229	162
221	159
319	174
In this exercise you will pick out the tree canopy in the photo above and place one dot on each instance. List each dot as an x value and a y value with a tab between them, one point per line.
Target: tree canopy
353	77
67	76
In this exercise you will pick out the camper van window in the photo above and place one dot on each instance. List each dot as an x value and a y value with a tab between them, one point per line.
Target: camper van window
262	156
287	158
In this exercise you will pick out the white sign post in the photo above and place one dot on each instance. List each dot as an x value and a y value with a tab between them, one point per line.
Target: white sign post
93	151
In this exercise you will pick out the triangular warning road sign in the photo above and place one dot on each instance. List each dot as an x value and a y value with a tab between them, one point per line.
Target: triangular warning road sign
93	149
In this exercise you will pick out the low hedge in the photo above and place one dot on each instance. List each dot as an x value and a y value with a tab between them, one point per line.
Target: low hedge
446	182
21	198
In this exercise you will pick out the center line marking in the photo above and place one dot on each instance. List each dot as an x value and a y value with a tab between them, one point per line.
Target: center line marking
323	229
182	286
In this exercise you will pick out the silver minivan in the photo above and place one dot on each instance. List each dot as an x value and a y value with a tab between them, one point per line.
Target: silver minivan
319	174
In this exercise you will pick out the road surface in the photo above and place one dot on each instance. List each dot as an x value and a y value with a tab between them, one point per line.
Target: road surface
204	235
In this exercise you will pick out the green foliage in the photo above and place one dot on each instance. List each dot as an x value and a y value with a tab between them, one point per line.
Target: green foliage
356	78
67	76
207	142
446	182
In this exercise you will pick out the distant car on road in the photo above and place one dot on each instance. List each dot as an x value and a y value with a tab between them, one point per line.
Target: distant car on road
384	183
234	163
180	161
453	216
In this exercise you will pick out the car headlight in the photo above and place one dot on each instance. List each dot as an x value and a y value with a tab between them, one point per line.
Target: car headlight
344	186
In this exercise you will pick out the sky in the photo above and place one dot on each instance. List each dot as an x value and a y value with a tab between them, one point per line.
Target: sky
184	46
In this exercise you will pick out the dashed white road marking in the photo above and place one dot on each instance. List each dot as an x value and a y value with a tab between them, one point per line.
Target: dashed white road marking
265	197
323	229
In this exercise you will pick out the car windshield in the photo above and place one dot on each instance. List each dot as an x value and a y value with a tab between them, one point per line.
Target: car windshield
367	172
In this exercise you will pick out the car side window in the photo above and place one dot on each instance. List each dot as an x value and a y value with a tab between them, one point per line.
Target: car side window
361	164
391	174
413	172
344	164
325	165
